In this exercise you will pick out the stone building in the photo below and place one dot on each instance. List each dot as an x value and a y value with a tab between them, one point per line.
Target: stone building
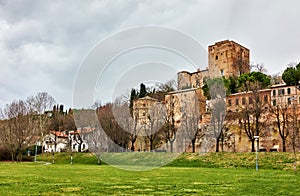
238	101
182	100
141	109
225	59
281	94
228	58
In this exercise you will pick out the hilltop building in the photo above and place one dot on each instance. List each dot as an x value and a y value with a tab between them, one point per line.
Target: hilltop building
225	59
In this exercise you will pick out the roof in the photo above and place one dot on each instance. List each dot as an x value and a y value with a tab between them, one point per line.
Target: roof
244	92
148	98
182	91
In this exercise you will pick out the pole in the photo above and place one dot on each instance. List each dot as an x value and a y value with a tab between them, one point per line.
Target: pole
256	161
35	152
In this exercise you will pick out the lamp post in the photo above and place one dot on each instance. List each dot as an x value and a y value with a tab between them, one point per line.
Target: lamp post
256	137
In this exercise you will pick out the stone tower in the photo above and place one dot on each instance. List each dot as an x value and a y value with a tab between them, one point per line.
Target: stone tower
228	58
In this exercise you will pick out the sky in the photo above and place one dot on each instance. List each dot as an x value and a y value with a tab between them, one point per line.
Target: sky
44	43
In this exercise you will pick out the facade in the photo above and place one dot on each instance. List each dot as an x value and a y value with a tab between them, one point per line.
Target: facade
282	94
141	108
228	58
181	101
58	141
238	101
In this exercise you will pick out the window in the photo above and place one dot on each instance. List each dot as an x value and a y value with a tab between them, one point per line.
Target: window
144	113
243	101
281	92
229	102
274	102
250	100
289	91
222	72
236	101
290	100
266	98
217	57
274	92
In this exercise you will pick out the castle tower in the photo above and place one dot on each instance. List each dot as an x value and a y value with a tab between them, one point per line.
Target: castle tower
228	58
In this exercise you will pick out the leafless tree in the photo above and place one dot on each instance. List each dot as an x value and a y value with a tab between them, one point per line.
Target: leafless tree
258	67
91	132
251	116
155	123
282	121
169	128
128	123
20	127
191	121
110	126
39	104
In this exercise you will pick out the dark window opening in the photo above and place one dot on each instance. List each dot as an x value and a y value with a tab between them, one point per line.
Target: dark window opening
289	91
243	101
236	101
266	98
217	57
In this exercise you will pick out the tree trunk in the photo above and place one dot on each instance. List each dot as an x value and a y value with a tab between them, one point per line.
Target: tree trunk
99	160
193	145
132	146
217	145
151	144
171	146
283	145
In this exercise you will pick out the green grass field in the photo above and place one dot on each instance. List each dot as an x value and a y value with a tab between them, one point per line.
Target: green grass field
190	174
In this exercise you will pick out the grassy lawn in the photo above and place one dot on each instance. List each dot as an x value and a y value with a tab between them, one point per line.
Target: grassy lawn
184	176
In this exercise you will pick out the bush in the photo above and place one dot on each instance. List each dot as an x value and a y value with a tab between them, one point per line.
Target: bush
5	154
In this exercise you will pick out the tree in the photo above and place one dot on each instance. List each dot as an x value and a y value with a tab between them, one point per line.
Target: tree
41	103
128	123
143	91
110	126
253	81
291	75
155	122
282	121
217	93
169	130
190	121
259	68
20	126
91	132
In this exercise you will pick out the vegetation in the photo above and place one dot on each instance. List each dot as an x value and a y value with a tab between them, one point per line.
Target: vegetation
184	176
291	75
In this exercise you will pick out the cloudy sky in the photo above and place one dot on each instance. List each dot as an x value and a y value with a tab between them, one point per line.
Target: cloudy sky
43	43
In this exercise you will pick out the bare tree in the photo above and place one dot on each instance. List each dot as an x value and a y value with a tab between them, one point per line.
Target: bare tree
169	128
155	123
128	123
20	127
111	127
91	132
258	67
191	121
41	103
282	121
217	93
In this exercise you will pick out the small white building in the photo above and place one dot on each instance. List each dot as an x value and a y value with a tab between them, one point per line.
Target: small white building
58	141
